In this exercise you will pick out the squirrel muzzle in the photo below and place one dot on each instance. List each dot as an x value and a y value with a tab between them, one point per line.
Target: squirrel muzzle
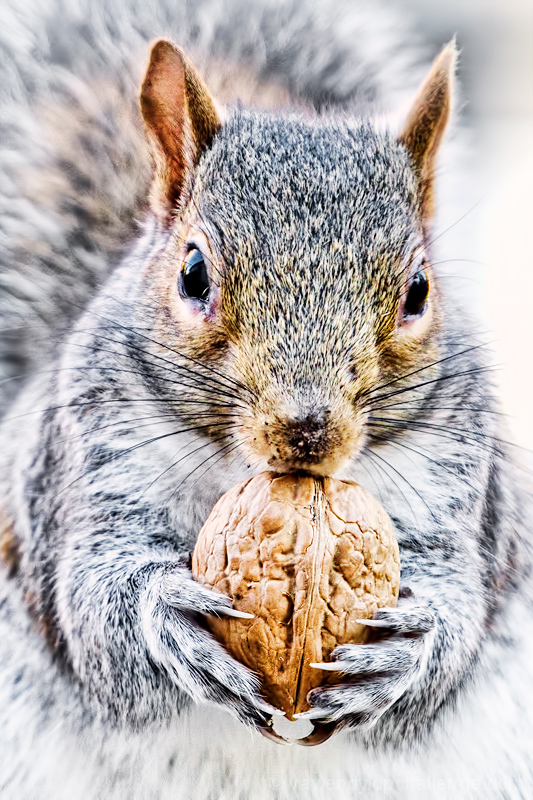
318	441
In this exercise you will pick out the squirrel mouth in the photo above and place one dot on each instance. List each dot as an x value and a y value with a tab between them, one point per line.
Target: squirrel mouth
325	468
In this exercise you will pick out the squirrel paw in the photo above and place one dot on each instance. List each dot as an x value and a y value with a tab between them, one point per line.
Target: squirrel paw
188	653
377	675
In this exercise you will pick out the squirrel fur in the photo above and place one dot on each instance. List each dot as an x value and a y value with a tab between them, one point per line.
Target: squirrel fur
278	309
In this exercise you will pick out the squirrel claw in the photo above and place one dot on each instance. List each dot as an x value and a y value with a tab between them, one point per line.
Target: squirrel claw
268	733
230	612
313	713
374	623
331	666
272	710
320	734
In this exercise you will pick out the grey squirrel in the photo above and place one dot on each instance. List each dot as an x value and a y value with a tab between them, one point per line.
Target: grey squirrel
278	310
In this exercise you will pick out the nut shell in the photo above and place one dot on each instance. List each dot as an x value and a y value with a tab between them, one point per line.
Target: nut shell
307	557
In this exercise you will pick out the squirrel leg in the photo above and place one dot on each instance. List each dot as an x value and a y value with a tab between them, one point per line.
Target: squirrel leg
381	673
136	643
190	655
424	648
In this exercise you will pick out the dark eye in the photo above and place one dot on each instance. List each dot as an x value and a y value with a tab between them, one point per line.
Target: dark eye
193	279
417	295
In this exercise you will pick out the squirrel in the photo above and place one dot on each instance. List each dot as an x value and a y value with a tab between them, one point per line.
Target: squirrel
279	308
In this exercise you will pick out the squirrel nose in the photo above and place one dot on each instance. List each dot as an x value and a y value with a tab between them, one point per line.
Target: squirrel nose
317	439
307	439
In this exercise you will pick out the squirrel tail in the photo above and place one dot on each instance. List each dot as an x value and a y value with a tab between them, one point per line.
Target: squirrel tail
74	172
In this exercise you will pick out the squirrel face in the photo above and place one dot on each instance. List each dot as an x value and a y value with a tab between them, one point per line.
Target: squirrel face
296	266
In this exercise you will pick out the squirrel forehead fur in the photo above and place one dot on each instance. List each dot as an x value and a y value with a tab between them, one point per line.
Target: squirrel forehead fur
322	207
313	223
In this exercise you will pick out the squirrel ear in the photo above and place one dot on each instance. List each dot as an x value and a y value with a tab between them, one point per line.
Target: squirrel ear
427	120
181	120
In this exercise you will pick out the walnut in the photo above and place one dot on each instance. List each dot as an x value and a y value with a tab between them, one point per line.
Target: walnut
307	557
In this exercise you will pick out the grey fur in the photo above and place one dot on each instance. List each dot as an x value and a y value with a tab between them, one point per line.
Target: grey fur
115	689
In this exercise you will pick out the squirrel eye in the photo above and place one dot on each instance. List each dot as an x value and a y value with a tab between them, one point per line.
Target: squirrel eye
417	295
193	279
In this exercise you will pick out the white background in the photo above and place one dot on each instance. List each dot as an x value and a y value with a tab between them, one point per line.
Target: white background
496	103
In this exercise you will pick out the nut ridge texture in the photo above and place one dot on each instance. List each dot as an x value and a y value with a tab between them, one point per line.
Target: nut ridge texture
308	557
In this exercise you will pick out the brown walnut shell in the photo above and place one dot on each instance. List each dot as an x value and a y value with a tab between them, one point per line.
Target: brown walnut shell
307	557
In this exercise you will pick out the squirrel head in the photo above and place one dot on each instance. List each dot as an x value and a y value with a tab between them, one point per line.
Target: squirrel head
294	259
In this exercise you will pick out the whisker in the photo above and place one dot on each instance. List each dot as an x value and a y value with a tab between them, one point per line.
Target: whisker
172	433
402	445
406	481
371	454
443	433
458	437
224	454
452	276
200	364
458	260
137	446
458	431
449	228
484	550
236	456
195	380
114	370
174	463
402	407
428	366
362	464
435	380
161	420
172	400
84	368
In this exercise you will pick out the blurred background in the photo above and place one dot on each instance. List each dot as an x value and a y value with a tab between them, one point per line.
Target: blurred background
495	38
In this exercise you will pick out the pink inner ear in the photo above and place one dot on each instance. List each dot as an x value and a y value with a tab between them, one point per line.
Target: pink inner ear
163	107
180	119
